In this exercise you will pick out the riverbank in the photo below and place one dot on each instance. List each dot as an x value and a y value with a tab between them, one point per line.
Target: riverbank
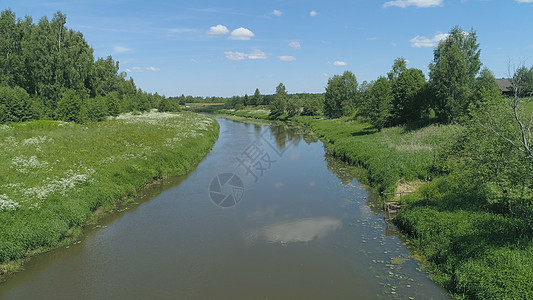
472	249
56	176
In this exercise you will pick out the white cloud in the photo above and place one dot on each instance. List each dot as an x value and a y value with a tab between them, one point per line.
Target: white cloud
140	70
277	13
193	60
295	45
218	30
524	1
255	54
134	70
234	55
417	3
339	63
153	69
242	34
287	58
313	13
422	41
121	49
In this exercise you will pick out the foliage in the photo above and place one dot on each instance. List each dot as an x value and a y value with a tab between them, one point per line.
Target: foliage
256	99
499	172
408	97
69	107
522	82
47	59
485	89
340	98
15	105
96	108
378	103
452	74
279	105
399	66
313	106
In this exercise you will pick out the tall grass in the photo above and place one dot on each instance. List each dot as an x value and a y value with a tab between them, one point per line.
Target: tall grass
390	156
54	175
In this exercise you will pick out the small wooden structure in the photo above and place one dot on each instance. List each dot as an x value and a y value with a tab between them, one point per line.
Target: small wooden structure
393	207
505	86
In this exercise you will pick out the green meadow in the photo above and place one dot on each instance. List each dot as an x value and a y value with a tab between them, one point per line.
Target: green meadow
54	175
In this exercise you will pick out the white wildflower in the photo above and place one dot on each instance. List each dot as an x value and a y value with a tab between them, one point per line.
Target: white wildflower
7	204
59	185
5	127
23	164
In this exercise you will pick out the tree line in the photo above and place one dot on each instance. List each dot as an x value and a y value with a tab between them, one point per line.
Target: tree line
491	158
48	71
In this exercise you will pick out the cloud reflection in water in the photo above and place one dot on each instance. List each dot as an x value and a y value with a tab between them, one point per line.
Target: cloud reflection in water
300	230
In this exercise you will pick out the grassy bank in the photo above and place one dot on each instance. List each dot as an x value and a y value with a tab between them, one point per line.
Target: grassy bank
54	175
473	249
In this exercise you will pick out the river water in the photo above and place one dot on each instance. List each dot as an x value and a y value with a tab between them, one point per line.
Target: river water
266	215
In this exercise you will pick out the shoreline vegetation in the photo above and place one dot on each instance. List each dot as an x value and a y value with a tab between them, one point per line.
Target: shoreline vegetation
471	248
57	177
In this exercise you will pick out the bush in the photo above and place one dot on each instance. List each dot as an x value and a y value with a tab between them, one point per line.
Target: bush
69	107
15	105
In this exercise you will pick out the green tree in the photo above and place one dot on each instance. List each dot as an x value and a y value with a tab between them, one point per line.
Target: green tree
294	105
341	95
256	99
96	108
408	101
103	77
378	103
69	107
113	104
399	66
15	105
11	59
494	161
452	73
168	105
522	82
279	104
485	88
313	106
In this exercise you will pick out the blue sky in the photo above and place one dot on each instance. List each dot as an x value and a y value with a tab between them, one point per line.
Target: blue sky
232	47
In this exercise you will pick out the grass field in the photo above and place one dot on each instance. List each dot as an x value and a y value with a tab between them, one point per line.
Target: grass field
54	175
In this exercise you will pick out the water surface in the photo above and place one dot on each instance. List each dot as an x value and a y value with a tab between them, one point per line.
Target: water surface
266	215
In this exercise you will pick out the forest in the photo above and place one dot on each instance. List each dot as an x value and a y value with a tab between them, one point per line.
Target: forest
48	71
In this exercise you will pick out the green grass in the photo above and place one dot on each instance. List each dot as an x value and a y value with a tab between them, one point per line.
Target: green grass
393	155
254	112
54	175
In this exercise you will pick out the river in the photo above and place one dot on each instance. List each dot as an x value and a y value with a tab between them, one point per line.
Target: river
266	215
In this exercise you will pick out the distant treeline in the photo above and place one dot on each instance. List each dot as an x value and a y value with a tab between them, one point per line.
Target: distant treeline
48	71
457	88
